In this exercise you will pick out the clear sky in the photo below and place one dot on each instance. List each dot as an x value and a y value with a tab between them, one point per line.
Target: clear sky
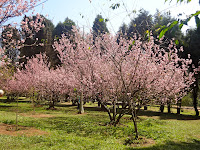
83	12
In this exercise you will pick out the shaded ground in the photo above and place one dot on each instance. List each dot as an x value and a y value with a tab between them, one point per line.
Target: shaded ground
6	129
37	115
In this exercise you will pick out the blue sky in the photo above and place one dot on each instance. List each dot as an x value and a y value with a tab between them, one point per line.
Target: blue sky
83	13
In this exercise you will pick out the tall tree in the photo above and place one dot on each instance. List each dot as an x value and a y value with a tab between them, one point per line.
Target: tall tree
164	20
139	25
123	29
64	28
99	26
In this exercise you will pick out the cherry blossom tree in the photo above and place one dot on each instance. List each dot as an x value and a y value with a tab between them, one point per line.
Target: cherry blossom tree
78	60
38	77
129	72
12	34
141	72
15	8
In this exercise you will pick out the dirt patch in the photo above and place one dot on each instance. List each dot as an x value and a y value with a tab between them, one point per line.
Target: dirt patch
140	142
198	136
145	143
6	129
37	115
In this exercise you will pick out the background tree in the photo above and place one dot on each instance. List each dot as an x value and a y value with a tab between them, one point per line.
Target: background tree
141	24
39	42
164	20
123	29
64	28
99	26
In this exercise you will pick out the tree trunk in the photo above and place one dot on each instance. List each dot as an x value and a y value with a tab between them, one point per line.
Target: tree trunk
195	95
17	115
145	107
73	102
179	107
162	108
81	109
169	108
99	104
134	118
121	114
52	103
114	110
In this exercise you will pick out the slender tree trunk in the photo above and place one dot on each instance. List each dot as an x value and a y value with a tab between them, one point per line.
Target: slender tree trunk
73	102
169	108
179	107
81	109
32	99
114	110
52	103
162	108
99	104
195	95
17	115
134	118
121	114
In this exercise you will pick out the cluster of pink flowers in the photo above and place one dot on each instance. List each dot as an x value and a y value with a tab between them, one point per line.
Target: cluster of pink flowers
13	37
112	67
37	77
13	8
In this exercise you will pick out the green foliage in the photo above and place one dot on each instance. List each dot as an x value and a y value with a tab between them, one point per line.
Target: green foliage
123	29
115	6
64	28
179	1
182	22
140	24
167	26
187	100
99	26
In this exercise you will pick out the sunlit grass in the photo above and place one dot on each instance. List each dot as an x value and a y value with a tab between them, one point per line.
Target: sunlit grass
69	130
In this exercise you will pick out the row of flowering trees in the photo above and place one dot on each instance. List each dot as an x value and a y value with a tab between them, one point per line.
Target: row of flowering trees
132	72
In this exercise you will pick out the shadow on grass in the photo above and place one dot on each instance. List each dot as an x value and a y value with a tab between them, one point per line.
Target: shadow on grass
65	105
194	145
13	101
5	106
69	124
164	116
94	109
149	113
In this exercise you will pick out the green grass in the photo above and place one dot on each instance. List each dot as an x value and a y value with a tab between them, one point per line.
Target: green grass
69	130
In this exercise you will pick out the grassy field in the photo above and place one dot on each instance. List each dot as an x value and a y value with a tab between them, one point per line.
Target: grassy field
65	129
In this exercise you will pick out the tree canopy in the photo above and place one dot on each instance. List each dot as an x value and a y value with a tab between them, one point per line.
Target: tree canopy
64	28
99	26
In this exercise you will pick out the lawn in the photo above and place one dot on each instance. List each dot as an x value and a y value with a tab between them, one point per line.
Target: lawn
63	128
